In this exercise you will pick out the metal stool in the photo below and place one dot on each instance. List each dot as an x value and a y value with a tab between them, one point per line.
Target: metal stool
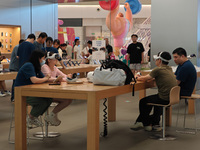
12	126
46	134
174	98
188	130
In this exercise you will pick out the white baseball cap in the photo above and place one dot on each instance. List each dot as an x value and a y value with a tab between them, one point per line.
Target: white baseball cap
155	57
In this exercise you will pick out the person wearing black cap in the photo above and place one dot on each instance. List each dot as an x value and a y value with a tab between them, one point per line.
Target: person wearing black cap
165	81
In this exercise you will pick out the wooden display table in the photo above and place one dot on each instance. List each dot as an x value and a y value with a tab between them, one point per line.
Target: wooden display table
85	91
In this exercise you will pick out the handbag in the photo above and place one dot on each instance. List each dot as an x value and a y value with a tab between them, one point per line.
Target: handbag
110	76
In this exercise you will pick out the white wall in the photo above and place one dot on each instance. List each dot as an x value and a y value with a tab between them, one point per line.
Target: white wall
174	24
90	11
44	17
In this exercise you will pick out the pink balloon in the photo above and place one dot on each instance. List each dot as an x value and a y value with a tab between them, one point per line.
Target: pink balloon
60	22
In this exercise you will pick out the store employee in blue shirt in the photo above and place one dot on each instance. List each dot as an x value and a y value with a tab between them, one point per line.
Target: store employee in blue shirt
186	74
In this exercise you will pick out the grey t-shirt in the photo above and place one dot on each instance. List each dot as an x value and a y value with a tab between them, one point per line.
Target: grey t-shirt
38	45
14	62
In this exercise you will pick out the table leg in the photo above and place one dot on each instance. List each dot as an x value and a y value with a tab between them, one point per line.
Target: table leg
142	94
92	122
20	121
112	109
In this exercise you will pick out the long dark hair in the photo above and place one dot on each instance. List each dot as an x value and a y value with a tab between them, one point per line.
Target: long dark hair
34	59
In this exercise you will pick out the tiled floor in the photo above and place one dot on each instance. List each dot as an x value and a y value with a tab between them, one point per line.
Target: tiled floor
120	137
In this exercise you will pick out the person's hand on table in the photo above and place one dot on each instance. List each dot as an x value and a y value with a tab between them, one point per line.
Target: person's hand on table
47	77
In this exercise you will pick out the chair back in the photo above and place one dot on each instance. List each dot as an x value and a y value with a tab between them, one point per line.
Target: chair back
174	95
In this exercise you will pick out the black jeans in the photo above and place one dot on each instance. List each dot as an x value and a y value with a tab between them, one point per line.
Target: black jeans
145	110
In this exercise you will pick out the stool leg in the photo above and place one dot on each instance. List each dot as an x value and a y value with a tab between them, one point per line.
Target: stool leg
177	116
184	115
163	123
195	118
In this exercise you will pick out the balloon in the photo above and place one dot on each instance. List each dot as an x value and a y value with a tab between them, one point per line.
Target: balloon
60	22
123	51
109	5
135	6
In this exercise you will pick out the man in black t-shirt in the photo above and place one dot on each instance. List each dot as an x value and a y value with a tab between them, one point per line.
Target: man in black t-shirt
136	54
108	48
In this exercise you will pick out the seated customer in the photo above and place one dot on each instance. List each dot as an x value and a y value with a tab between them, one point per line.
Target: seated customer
30	73
165	80
49	68
186	74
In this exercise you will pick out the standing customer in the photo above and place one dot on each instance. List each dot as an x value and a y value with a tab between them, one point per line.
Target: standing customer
165	81
40	41
56	43
25	49
135	54
14	65
186	74
77	51
69	50
109	49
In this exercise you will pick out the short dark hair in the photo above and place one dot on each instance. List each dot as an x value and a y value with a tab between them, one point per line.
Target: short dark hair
49	39
89	42
75	41
21	41
63	44
180	51
165	55
134	35
31	36
42	35
34	59
56	41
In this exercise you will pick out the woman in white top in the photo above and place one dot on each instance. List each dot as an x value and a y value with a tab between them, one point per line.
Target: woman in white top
49	68
77	51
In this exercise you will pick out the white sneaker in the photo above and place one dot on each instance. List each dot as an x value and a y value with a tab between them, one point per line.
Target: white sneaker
137	126
148	128
7	92
2	94
52	119
35	122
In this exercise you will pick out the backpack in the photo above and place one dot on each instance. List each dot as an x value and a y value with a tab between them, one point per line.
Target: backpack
120	65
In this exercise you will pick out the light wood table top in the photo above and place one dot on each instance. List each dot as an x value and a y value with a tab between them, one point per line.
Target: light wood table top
86	91
8	75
